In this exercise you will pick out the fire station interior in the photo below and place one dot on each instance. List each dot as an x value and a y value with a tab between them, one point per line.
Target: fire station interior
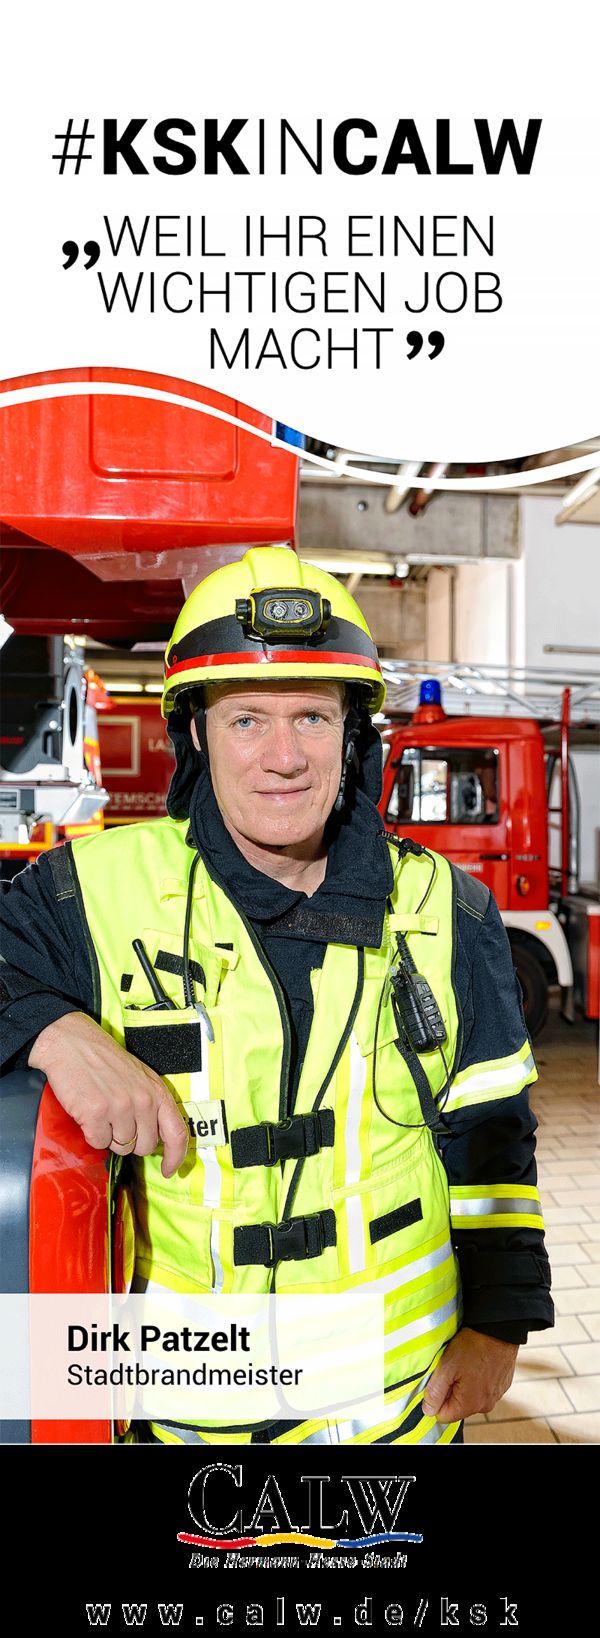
483	602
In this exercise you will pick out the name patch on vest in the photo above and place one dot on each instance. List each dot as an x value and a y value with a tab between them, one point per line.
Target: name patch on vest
206	1122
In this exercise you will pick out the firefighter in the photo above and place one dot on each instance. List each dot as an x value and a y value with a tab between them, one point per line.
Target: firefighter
352	1112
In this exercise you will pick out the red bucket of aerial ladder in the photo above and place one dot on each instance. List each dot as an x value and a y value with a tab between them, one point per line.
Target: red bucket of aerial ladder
120	488
119	491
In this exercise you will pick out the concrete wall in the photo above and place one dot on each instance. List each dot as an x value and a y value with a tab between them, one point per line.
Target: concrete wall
439	614
482	613
469	613
353	517
396	617
558	578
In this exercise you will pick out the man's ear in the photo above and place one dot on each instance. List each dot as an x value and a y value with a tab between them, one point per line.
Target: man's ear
194	734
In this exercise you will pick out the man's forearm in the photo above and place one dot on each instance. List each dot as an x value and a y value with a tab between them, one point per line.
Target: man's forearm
45	971
24	1020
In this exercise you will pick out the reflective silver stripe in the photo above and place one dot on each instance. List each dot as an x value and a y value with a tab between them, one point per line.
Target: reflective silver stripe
372	1288
488	1207
500	1073
337	1432
342	1432
199	1089
430	1438
199	1092
199	1083
416	1328
493	1080
374	1419
212	1177
331	1435
354	1216
356	1234
323	1437
410	1271
214	1251
434	1434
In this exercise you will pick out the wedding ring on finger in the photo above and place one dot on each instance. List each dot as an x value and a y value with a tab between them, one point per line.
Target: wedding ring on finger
124	1147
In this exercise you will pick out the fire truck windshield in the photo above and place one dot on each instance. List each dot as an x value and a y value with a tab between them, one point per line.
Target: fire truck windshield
454	785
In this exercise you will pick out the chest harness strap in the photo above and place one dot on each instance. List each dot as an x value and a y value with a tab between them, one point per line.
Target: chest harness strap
290	1241
267	1143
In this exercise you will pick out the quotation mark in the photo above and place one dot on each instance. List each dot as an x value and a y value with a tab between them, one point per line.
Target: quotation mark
415	341
70	249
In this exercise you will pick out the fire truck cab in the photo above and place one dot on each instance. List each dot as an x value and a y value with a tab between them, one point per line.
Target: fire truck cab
475	789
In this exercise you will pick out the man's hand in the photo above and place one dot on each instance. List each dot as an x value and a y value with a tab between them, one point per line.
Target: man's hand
473	1374
117	1101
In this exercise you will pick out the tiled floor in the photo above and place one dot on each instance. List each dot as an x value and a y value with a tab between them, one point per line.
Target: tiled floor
555	1395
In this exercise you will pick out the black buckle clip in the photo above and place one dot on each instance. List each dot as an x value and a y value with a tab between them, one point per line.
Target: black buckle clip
296	1129
294	1138
270	1130
289	1241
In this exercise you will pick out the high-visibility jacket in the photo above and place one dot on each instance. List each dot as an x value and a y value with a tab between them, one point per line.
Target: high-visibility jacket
360	1200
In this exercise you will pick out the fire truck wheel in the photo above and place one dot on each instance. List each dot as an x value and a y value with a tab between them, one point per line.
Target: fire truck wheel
534	985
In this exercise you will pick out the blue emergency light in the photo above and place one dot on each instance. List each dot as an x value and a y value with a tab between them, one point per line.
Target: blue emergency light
288	435
430	692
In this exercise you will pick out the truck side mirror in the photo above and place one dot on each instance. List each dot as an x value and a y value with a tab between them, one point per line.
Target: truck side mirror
405	786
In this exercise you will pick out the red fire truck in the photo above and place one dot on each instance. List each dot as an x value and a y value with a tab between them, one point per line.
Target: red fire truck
137	759
480	790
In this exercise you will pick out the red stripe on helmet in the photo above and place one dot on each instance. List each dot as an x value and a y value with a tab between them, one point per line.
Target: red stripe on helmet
272	657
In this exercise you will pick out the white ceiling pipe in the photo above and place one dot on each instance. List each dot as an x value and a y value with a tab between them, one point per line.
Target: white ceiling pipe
404	481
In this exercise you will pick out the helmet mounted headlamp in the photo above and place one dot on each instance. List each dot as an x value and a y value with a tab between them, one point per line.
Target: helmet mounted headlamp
281	611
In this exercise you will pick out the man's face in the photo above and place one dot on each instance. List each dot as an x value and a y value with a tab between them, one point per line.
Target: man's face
275	757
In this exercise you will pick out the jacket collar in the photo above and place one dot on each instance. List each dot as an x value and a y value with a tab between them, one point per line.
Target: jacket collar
348	907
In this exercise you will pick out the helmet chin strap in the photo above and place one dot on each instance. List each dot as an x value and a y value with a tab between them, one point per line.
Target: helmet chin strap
350	761
199	718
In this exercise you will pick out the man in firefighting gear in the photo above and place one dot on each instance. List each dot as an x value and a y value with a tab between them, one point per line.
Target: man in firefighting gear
362	1063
